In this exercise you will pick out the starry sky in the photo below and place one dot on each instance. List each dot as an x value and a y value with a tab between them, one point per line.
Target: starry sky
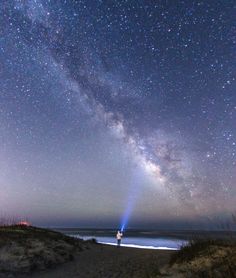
113	105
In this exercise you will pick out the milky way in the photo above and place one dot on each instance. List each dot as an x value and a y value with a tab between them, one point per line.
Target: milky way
103	100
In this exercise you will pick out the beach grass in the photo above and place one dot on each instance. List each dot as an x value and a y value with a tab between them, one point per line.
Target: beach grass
27	248
207	258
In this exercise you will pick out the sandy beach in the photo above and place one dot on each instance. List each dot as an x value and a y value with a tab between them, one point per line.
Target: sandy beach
107	262
36	252
40	253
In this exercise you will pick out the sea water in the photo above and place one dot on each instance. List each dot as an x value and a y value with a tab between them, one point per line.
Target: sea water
135	239
146	243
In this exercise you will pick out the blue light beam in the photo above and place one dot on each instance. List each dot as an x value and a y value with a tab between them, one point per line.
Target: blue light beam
134	192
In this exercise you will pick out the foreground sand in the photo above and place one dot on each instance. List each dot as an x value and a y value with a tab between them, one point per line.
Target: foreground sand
108	262
34	252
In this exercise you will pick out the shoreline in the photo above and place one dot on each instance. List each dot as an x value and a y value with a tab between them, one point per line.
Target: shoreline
123	245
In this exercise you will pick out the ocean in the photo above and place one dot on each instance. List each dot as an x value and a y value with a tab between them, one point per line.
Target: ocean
131	238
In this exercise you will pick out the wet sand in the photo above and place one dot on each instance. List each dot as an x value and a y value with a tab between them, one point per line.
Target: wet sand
110	262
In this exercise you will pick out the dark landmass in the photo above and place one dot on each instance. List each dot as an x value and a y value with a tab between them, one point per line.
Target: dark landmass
40	253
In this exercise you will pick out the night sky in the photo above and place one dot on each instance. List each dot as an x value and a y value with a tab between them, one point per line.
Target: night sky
109	106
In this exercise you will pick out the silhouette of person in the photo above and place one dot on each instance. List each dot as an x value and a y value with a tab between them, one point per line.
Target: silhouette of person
118	237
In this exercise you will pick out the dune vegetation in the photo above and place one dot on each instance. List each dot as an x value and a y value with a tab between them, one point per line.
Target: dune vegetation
205	258
23	249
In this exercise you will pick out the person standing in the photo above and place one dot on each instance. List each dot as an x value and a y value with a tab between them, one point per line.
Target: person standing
118	237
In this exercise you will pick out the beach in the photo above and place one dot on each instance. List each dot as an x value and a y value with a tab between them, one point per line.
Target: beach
27	251
36	252
108	262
